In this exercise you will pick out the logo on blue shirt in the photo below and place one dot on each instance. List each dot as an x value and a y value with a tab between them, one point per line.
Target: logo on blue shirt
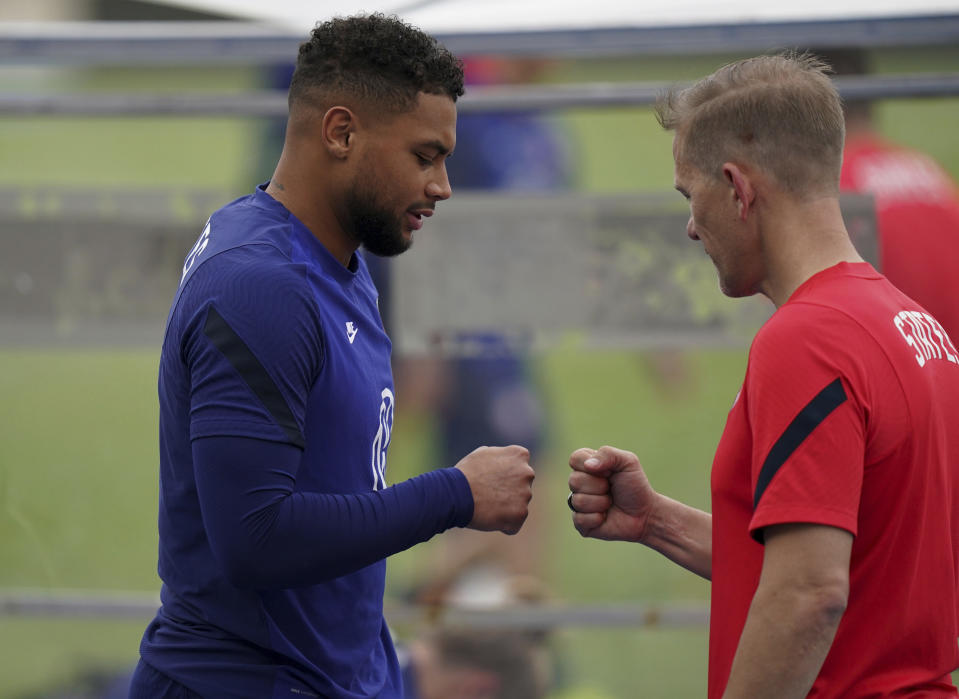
351	331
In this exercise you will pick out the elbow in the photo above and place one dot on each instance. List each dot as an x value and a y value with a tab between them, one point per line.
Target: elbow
244	561
246	551
241	568
245	577
818	607
829	603
814	607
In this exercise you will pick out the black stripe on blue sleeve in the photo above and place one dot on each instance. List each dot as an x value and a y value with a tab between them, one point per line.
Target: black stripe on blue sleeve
225	339
808	419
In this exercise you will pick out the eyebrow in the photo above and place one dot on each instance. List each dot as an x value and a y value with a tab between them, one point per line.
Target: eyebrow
437	146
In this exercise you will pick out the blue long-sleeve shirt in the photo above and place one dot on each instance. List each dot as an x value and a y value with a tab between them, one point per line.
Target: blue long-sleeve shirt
276	411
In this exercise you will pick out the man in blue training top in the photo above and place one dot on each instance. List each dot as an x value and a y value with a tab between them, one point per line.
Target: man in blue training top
276	395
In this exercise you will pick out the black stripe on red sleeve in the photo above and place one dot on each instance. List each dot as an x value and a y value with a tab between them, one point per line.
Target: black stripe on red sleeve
808	419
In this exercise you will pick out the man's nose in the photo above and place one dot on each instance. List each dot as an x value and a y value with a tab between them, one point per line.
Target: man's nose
439	188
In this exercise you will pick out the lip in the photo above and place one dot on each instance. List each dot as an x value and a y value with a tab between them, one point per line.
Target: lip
415	217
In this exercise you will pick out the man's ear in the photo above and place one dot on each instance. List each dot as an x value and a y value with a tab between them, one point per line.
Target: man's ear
338	131
742	188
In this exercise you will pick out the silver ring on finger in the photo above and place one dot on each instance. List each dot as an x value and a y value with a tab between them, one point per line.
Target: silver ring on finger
569	502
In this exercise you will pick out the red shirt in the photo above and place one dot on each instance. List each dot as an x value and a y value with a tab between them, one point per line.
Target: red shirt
917	209
847	418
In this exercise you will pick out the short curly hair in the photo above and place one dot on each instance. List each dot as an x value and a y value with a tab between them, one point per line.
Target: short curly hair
375	59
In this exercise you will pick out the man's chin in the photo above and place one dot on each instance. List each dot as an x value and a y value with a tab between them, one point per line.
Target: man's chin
393	249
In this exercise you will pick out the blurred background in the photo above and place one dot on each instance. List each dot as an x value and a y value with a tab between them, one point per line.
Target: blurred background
556	291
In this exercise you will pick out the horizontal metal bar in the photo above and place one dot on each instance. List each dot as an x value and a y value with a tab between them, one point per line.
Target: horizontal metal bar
898	86
272	103
263	103
547	618
78	603
145	43
138	43
134	605
533	97
734	37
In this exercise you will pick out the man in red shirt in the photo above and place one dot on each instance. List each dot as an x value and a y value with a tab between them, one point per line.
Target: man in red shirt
833	543
917	204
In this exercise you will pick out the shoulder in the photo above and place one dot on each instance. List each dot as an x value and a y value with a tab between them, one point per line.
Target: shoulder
249	242
806	337
833	307
805	357
796	326
251	276
240	237
254	292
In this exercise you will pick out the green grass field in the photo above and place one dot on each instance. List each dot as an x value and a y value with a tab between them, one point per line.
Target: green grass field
78	501
78	452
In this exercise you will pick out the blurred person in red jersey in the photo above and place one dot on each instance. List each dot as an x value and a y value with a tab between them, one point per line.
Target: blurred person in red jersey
917	203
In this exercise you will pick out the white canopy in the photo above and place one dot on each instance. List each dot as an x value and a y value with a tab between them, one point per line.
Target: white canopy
498	16
273	28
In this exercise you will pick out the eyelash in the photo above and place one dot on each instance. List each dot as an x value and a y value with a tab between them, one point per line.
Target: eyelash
424	161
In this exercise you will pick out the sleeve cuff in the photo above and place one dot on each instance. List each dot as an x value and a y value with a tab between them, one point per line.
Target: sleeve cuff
461	494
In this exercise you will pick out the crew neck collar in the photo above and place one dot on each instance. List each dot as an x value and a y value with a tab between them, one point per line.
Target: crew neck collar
317	250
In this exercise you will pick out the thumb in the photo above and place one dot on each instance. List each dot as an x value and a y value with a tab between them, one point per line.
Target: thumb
597	466
608	460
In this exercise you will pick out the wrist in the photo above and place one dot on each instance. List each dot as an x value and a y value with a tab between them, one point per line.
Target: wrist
461	491
658	527
653	524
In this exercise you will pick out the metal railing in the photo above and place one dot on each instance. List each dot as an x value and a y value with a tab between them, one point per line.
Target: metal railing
120	605
131	43
272	103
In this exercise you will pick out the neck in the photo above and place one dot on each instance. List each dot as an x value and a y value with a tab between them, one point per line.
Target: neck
307	194
800	239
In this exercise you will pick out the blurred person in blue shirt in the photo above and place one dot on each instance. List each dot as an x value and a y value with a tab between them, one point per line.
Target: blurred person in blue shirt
510	152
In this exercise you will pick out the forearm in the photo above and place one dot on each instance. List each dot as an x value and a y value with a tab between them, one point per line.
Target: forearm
786	638
265	534
681	533
316	536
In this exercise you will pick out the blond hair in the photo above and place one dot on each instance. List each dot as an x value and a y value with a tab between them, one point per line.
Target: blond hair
782	113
